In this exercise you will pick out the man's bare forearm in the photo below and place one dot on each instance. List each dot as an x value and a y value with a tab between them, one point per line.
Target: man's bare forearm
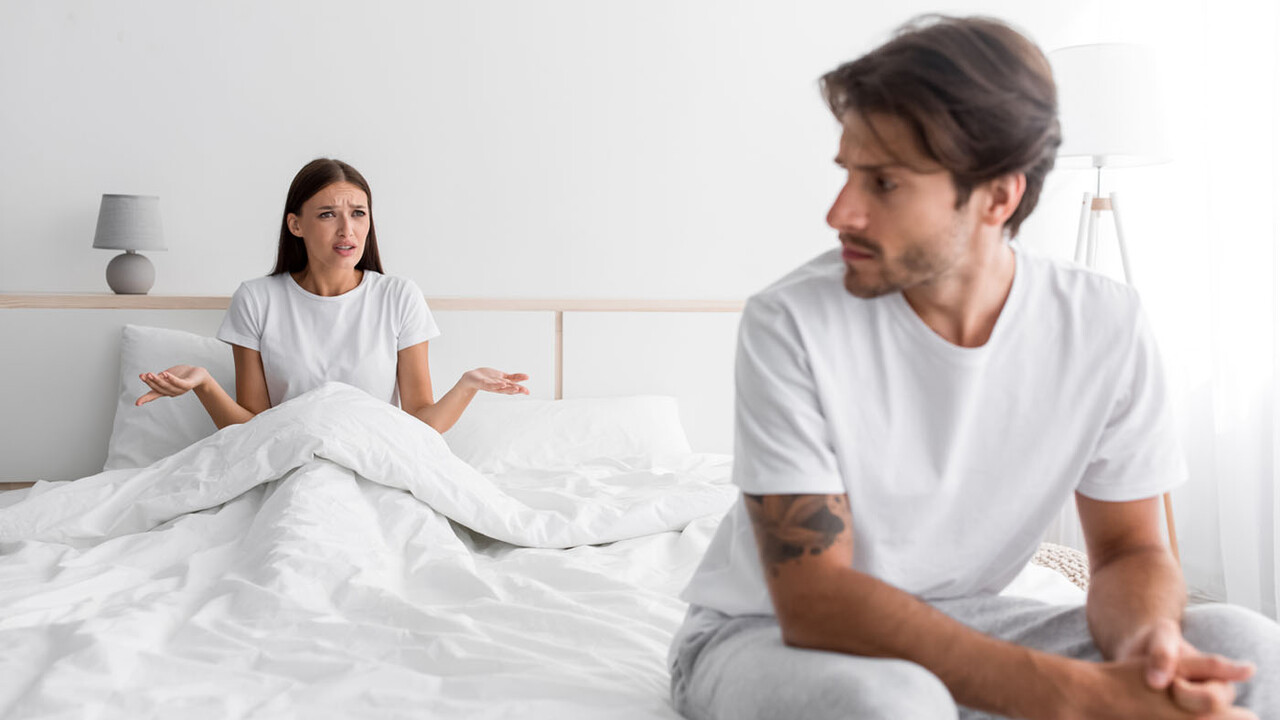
860	615
1132	591
806	552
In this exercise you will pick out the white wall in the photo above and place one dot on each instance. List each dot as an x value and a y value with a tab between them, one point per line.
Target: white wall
601	148
663	148
567	148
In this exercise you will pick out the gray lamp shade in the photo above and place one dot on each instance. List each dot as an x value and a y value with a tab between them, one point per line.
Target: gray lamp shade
1112	105
129	222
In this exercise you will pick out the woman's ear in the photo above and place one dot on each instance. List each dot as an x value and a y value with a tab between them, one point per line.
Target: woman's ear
295	227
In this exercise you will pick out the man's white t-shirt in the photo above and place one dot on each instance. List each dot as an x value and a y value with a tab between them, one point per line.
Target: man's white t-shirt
954	459
307	340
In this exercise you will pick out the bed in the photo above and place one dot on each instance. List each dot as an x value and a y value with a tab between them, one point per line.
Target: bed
336	558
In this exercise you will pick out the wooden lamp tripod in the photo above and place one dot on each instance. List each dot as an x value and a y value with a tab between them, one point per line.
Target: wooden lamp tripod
1091	211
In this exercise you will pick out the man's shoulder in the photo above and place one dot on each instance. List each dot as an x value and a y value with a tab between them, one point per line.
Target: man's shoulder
1078	290
817	282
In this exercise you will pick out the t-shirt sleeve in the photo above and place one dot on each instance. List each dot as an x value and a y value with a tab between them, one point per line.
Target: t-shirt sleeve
416	325
1138	454
242	325
782	443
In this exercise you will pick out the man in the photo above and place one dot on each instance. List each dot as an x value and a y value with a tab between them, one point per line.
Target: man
914	408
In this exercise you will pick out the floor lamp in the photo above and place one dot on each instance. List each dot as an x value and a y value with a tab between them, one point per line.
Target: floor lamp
1110	107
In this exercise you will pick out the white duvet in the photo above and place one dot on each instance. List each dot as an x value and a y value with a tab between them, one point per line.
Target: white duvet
333	559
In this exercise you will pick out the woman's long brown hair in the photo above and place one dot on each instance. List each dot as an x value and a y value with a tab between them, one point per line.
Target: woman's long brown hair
291	255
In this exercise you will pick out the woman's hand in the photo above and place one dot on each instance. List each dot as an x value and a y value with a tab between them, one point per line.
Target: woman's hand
172	382
495	381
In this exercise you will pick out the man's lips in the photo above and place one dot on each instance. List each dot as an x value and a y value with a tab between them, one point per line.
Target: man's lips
857	248
855	253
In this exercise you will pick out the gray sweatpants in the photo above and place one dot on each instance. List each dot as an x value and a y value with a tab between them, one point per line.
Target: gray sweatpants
737	668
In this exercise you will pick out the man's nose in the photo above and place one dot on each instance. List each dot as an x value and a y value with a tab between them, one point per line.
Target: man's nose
849	211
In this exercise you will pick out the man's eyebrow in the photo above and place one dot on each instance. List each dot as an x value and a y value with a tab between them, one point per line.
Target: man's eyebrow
876	167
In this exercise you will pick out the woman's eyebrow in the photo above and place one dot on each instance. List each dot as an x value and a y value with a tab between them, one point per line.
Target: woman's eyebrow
335	207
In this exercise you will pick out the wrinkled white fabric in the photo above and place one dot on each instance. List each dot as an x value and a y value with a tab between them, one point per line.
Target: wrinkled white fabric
263	574
347	427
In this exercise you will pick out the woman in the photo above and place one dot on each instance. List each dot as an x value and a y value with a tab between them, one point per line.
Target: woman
328	313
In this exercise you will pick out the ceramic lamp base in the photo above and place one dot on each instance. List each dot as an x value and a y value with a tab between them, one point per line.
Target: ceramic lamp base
131	274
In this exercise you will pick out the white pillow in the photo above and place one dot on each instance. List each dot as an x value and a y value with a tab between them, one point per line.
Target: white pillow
143	435
500	434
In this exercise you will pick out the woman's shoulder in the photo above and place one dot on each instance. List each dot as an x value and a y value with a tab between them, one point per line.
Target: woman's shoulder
260	288
265	283
392	286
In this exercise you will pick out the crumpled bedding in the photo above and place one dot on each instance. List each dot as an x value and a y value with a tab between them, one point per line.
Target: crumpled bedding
333	559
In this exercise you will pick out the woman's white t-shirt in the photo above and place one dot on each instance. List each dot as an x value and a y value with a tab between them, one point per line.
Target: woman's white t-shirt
954	459
307	340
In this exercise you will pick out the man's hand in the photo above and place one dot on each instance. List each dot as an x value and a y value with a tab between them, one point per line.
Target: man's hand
1119	690
1198	683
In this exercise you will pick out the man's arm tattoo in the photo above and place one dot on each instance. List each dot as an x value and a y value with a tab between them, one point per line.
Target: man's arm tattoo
791	526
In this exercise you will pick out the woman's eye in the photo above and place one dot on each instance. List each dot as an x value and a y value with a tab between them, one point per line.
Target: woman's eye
326	214
358	213
885	184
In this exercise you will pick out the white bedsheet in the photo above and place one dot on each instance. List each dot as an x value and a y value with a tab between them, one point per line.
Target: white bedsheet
280	569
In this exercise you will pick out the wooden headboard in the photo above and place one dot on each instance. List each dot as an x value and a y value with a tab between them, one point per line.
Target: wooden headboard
61	361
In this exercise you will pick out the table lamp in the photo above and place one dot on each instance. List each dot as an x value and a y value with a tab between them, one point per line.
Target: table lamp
130	223
1112	113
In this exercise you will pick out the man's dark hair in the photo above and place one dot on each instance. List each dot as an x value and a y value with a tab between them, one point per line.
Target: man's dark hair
291	252
977	94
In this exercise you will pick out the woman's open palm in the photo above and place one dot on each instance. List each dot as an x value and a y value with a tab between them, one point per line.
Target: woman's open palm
496	381
172	382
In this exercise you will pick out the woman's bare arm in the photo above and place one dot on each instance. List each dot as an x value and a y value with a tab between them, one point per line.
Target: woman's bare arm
414	375
251	388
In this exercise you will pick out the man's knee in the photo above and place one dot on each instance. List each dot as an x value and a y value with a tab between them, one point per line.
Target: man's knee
1241	634
896	690
1232	631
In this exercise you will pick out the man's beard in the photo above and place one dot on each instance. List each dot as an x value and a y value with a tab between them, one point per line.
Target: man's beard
913	267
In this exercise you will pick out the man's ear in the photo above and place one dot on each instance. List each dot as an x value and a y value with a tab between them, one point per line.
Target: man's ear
1002	198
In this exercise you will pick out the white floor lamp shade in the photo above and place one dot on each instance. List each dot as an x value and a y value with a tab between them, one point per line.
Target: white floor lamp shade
1111	105
130	223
